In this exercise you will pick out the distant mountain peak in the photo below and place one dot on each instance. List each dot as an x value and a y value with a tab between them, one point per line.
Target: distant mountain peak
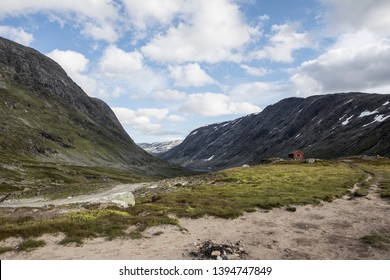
159	147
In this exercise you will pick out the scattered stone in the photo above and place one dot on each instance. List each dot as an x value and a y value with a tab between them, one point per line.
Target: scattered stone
121	200
214	251
291	209
215	254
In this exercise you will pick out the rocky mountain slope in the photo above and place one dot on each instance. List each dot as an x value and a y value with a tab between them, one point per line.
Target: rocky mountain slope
45	116
159	147
322	126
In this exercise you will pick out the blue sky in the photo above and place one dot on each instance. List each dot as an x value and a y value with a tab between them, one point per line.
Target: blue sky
167	67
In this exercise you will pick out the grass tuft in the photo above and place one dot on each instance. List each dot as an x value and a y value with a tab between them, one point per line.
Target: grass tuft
29	245
5	249
378	241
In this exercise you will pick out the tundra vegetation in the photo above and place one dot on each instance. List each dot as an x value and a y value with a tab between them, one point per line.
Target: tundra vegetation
225	194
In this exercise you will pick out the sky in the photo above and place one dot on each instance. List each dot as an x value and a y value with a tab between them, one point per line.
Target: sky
167	67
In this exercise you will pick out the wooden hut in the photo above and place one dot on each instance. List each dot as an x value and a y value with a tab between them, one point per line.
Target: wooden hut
296	155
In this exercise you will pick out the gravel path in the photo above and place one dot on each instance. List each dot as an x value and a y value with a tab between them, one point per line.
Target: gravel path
41	201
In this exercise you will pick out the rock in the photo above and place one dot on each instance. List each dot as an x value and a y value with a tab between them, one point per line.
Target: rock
212	250
311	160
122	200
215	254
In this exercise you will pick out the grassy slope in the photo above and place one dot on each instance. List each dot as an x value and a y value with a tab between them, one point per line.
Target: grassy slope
226	194
49	148
39	125
29	178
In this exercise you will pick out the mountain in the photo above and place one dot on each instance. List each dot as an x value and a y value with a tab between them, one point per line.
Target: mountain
159	147
322	126
46	117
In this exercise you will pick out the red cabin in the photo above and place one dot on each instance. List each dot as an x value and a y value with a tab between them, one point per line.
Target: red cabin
296	155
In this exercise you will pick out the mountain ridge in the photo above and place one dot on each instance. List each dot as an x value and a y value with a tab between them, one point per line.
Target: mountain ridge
323	126
48	117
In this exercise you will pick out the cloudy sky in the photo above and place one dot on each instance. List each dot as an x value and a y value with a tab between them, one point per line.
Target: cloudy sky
167	67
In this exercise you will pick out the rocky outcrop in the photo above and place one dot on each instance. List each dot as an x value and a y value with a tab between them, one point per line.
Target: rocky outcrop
323	126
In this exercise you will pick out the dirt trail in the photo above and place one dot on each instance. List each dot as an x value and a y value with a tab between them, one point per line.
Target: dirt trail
41	201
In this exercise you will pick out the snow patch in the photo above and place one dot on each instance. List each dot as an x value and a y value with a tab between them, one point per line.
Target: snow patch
297	136
348	101
210	158
347	120
342	117
379	118
386	103
194	133
367	113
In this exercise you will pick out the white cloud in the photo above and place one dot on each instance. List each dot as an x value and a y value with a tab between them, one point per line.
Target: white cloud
98	17
358	61
352	15
264	17
100	32
141	119
254	71
214	31
151	12
169	95
282	43
190	75
75	64
216	104
116	61
127	70
71	61
259	92
16	34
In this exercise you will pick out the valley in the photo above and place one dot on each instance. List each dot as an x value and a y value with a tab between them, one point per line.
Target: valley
74	185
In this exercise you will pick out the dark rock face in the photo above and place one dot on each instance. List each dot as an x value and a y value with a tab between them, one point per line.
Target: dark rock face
45	115
323	126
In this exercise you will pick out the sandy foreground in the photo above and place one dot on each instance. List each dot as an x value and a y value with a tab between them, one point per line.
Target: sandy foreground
328	231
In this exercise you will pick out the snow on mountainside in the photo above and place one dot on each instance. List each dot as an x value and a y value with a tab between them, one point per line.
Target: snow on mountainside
159	147
323	126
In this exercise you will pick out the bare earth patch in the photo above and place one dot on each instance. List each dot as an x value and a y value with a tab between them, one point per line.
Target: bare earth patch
328	231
